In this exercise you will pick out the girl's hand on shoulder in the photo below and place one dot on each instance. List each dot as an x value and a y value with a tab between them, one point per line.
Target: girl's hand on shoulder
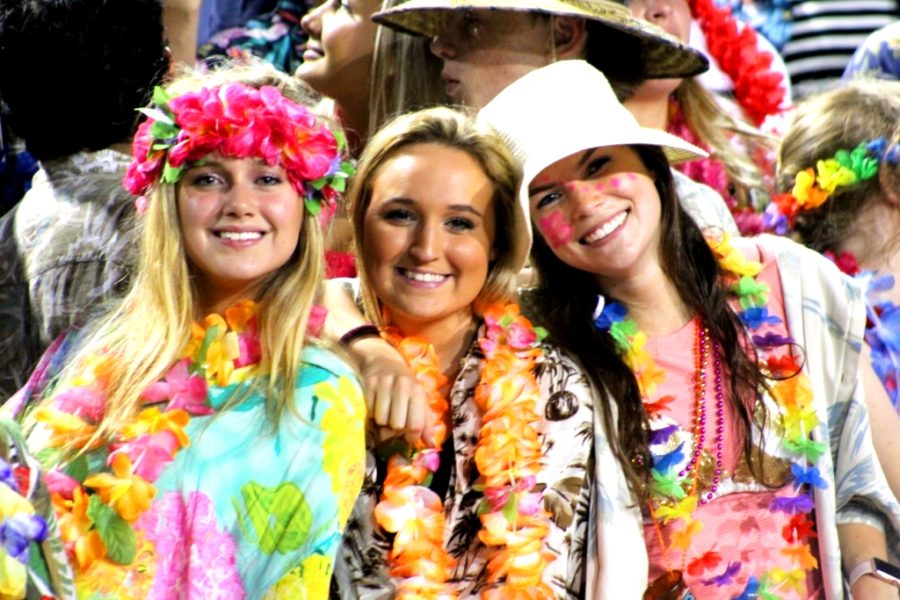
395	399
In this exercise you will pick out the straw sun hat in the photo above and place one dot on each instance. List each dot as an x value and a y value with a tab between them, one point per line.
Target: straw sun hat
659	54
565	108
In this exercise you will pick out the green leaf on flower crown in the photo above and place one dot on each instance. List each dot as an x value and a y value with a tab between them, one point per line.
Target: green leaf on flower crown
863	166
348	168
666	485
160	96
340	138
339	184
77	469
312	206
116	533
506	321
541	333
171	174
158	116
163	131
510	510
319	183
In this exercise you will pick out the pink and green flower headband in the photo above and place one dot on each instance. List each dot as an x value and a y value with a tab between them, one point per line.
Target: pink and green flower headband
239	121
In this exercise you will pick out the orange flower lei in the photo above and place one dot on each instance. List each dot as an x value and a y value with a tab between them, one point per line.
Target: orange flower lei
96	511
508	456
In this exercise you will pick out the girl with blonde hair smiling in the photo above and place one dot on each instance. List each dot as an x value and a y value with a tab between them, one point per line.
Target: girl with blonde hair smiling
488	494
198	440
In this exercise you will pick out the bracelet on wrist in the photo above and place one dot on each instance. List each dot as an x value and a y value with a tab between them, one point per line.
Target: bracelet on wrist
356	333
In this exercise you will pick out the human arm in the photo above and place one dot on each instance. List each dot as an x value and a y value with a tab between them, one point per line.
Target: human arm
861	542
181	20
395	399
884	423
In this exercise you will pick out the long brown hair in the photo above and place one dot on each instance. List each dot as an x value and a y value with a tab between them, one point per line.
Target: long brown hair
564	300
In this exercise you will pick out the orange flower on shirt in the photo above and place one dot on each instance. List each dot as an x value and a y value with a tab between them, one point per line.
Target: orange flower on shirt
152	420
126	492
75	528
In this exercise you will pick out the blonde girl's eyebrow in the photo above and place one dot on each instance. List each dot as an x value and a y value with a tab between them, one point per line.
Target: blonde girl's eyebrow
466	208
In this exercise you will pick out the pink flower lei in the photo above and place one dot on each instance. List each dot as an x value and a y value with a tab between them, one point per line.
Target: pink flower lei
239	121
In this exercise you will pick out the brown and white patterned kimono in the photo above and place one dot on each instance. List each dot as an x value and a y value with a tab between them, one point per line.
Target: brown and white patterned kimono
566	430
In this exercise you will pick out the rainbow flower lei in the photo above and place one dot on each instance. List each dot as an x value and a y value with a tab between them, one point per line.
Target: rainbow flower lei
239	121
96	511
508	457
812	187
675	498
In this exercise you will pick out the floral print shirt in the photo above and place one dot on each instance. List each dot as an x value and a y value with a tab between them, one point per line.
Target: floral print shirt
566	479
240	512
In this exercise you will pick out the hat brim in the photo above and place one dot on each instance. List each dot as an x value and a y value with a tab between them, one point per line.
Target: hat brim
676	150
660	54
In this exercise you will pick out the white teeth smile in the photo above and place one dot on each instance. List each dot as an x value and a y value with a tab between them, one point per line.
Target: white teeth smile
240	235
607	229
424	277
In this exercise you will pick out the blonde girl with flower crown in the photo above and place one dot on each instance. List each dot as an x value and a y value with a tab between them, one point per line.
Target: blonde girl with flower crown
198	441
850	138
736	459
488	494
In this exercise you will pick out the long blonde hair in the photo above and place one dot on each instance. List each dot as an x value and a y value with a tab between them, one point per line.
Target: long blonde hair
406	76
717	129
148	330
453	129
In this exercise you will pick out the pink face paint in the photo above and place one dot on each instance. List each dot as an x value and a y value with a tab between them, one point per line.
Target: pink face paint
614	182
555	229
599	186
569	185
631	176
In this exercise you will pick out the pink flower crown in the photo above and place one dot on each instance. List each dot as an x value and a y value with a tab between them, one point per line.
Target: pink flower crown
812	187
241	122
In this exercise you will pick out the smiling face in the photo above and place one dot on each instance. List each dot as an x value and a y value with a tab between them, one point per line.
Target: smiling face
485	51
240	221
337	58
600	212
427	235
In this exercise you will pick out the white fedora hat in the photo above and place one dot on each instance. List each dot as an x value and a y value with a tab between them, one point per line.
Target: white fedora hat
565	108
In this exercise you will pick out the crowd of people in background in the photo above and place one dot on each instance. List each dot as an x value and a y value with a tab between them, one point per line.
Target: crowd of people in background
368	299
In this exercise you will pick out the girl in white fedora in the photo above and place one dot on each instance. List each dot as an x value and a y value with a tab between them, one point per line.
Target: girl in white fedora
733	452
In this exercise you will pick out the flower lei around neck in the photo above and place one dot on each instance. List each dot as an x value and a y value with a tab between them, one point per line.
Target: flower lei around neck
757	88
96	511
673	487
508	456
240	121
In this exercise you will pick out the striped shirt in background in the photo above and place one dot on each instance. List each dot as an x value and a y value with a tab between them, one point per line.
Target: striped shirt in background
824	35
